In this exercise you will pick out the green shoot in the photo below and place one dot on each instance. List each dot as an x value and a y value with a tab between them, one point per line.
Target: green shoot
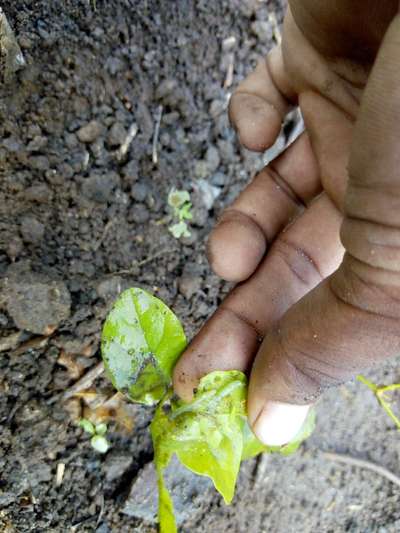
98	440
181	206
141	342
380	392
101	429
87	426
180	229
99	443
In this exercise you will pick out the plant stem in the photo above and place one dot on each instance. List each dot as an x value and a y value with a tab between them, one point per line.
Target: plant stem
386	407
368	383
379	392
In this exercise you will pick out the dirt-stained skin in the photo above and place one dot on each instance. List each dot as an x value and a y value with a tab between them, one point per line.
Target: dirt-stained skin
339	62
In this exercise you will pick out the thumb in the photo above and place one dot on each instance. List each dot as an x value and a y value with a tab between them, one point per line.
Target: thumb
351	321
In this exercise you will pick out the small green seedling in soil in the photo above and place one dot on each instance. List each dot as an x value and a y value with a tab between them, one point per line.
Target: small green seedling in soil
97	432
181	209
141	342
381	394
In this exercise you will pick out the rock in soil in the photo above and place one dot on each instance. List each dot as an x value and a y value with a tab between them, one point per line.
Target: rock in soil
109	288
187	490
37	304
117	134
190	281
32	230
100	188
11	57
90	132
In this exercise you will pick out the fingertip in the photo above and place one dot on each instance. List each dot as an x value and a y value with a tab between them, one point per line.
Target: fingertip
236	247
278	423
256	121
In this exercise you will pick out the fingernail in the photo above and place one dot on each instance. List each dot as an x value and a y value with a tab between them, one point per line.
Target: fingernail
278	423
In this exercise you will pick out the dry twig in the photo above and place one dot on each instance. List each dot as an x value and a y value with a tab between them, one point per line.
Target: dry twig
260	469
85	382
127	272
361	463
60	474
32	344
156	133
229	73
107	227
132	132
11	341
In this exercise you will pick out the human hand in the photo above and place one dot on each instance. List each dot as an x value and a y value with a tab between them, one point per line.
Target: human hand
323	317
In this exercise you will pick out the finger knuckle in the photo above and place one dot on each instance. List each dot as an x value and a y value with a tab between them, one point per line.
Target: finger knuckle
368	294
308	377
372	243
300	263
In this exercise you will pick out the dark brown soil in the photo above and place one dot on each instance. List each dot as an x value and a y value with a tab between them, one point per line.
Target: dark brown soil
78	223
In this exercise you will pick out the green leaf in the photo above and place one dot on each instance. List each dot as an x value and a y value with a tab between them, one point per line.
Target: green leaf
177	198
210	436
184	212
87	426
99	443
141	342
180	229
101	429
206	433
166	518
251	445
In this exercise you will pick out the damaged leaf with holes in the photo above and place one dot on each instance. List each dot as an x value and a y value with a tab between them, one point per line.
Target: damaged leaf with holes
210	436
141	342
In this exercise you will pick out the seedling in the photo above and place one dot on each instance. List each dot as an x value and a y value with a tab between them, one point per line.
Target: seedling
141	341
97	432
381	394
181	206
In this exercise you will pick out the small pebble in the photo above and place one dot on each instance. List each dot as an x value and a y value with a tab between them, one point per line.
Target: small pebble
14	248
201	169
229	43
139	214
32	230
109	287
219	179
3	320
117	134
39	193
38	305
37	143
130	172
114	65
189	284
100	188
262	29
213	159
103	528
139	191
116	465
90	132
39	162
